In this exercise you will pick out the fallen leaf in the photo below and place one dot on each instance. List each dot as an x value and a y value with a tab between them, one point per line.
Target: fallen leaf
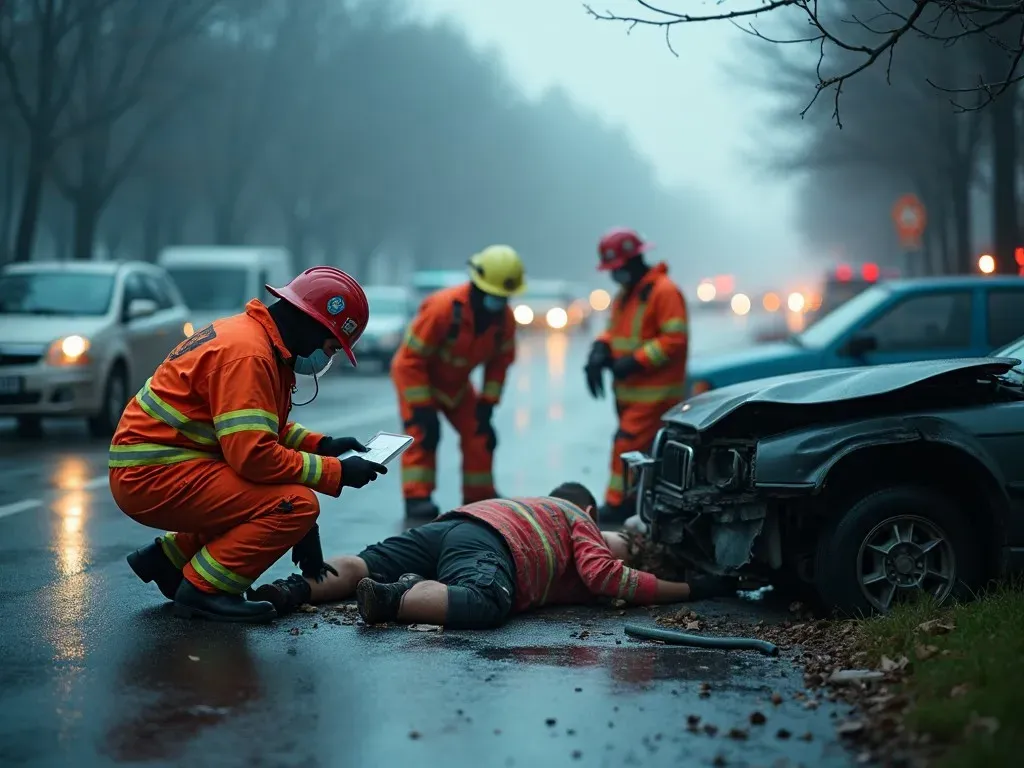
692	625
306	608
925	652
737	733
811	704
776	698
807	737
850	728
936	627
959	690
889	665
193	658
978	724
424	627
705	686
757	718
855	675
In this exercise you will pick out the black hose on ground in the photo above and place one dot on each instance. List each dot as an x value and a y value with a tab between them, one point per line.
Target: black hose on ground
674	637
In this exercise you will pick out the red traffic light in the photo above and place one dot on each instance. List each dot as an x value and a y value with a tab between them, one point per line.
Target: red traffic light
1018	255
844	272
870	272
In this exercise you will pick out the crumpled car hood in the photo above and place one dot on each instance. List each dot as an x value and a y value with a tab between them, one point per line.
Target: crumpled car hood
825	386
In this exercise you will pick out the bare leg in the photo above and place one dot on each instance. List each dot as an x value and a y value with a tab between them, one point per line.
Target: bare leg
426	603
333	588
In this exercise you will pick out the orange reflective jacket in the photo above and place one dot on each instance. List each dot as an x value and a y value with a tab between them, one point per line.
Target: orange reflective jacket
224	394
442	347
650	323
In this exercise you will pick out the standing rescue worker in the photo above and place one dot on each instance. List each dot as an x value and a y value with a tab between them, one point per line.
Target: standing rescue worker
205	449
456	330
645	346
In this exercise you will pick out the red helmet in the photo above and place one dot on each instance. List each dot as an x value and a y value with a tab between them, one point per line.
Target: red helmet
334	299
619	246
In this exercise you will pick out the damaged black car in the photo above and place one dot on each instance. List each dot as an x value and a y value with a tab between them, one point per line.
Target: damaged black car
862	486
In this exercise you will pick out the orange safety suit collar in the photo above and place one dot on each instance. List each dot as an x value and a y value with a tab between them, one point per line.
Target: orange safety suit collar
652	274
258	311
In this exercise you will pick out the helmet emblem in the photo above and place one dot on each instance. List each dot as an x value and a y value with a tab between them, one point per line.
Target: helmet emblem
628	245
349	327
335	305
609	253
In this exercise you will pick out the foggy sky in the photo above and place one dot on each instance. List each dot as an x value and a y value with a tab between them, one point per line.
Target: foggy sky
697	124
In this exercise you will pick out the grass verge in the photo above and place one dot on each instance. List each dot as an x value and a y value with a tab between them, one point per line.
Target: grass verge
965	679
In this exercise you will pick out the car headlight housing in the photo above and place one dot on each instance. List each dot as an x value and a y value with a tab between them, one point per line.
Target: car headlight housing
726	469
70	350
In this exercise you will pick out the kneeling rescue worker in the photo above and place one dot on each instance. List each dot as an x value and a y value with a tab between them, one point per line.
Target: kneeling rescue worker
645	346
456	330
205	449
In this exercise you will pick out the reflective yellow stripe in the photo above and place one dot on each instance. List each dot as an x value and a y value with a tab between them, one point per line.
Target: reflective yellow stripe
172	550
477	479
417	345
648	394
217	575
418	475
416	395
617	482
492	389
197	431
655	353
151	454
549	553
448	357
449	401
312	469
674	325
245	420
295	435
633	342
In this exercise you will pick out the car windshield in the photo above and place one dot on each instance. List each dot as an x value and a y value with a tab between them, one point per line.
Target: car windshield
824	332
386	305
212	289
65	293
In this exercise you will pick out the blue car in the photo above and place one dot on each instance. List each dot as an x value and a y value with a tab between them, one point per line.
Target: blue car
897	321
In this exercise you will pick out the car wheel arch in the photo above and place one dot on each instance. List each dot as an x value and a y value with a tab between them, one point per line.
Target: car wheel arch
938	463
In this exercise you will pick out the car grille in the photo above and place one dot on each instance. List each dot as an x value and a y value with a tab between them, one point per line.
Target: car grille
676	464
25	398
8	359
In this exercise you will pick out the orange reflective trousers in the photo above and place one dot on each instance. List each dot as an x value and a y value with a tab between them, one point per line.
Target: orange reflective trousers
419	462
226	531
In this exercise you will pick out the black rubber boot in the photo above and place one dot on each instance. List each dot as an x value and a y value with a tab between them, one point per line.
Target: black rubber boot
410	579
421	509
151	564
286	595
378	603
191	603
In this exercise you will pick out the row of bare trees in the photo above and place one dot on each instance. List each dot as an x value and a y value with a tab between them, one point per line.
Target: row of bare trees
897	97
335	128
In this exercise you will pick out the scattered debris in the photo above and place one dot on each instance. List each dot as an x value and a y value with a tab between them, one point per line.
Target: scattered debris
776	699
414	735
758	718
782	733
294	631
193	658
550	722
855	676
936	627
719	760
577	754
737	733
425	628
978	724
307	608
710	729
851	728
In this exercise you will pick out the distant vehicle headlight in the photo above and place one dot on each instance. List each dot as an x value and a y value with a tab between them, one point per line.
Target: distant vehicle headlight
557	318
71	350
523	314
188	329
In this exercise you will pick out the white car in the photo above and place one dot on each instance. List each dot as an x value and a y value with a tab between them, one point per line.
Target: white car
392	309
80	338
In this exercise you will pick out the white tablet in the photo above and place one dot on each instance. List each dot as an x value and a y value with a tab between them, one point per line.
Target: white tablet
384	447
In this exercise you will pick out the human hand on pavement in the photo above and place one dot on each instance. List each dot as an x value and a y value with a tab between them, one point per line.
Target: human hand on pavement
357	471
336	446
625	367
484	414
308	554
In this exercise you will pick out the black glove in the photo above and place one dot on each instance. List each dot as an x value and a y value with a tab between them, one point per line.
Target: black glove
484	412
625	367
335	446
600	358
309	556
357	471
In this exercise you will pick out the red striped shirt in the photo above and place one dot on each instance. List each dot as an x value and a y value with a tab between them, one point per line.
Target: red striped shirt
559	553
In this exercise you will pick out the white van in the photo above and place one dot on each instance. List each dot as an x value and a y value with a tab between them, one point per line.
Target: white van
218	281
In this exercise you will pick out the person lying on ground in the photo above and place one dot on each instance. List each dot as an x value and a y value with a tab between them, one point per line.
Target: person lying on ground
476	565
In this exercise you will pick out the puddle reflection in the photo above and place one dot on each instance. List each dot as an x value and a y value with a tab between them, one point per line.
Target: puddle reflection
556	412
522	418
635	667
72	472
556	346
179	686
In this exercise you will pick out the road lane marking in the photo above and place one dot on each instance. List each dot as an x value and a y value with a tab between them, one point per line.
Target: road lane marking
19	506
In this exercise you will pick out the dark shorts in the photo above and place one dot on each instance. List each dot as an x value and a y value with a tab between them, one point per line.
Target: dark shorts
469	556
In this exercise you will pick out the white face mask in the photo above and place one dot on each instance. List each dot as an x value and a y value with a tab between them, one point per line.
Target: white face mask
316	364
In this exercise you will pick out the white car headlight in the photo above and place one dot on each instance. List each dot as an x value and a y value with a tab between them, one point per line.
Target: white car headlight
70	350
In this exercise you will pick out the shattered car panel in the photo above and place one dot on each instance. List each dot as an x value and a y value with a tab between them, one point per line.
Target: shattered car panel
733	474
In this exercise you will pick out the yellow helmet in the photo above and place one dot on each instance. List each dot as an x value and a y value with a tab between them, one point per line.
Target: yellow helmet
498	270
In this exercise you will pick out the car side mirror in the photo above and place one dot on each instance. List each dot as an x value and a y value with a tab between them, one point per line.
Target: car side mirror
860	344
139	308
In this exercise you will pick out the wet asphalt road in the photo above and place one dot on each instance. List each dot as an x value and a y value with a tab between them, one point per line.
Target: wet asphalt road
95	671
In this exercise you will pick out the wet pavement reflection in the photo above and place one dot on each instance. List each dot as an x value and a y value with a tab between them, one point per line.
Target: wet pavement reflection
95	671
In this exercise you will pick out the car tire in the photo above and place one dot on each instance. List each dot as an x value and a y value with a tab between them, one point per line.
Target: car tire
850	551
115	398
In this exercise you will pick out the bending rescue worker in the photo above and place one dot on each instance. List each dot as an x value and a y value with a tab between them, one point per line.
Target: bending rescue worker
644	346
205	449
456	330
478	564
